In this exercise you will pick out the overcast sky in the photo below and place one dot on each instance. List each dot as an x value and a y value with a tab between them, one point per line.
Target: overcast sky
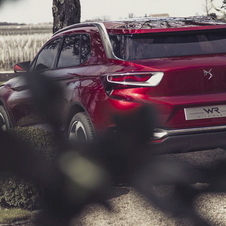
37	11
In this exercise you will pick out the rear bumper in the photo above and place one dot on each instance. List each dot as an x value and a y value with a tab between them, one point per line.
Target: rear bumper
194	139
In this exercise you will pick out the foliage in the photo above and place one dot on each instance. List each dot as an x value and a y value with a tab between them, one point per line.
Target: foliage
223	4
220	8
8	216
17	192
37	139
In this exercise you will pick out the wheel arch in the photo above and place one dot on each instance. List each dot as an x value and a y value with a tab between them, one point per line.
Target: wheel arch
76	108
7	113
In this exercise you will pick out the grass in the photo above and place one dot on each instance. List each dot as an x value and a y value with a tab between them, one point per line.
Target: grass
8	216
19	48
25	29
21	43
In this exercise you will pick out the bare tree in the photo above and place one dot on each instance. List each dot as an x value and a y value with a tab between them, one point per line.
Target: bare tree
131	15
65	13
208	6
221	8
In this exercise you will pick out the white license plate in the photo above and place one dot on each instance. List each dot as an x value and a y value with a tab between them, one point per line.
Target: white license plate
217	111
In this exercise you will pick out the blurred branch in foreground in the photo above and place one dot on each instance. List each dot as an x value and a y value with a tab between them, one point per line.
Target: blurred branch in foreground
83	173
7	1
125	155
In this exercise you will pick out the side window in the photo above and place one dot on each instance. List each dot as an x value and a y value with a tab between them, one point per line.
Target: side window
46	57
75	50
69	55
85	48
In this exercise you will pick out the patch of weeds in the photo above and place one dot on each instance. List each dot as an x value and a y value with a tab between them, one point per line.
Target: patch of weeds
16	192
8	216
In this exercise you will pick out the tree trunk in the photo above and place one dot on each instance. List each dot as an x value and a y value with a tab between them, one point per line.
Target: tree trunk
65	13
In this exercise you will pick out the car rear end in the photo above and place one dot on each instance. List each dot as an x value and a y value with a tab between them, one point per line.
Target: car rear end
182	73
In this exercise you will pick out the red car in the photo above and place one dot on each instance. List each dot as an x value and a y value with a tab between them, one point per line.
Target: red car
177	65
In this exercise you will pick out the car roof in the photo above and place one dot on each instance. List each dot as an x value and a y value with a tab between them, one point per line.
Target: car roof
141	25
149	24
162	22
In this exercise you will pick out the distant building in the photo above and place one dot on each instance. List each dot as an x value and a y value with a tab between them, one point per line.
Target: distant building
159	15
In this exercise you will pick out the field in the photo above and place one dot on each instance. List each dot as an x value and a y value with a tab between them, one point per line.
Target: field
21	43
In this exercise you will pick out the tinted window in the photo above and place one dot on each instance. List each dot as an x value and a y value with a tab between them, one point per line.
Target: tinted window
75	50
69	55
85	48
147	46
47	55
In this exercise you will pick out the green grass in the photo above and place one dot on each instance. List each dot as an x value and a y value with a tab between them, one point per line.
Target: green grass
8	216
14	194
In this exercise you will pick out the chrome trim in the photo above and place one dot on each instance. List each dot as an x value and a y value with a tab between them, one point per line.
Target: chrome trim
154	80
73	26
162	133
106	41
208	72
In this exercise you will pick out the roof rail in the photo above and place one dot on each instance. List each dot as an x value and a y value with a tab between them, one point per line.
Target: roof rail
73	26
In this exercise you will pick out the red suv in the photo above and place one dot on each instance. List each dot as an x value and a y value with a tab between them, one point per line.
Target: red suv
177	65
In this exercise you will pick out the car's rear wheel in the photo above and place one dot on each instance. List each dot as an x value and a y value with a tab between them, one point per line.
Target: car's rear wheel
80	129
4	119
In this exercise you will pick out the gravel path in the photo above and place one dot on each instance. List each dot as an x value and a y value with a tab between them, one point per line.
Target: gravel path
131	209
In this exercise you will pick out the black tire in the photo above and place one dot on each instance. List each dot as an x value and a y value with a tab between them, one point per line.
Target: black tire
80	129
4	119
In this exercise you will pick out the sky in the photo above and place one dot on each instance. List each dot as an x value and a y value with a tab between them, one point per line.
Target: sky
39	11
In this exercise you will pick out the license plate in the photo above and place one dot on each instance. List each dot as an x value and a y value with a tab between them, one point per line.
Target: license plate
217	111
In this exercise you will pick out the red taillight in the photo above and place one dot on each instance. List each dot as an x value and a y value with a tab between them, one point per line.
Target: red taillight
136	78
129	78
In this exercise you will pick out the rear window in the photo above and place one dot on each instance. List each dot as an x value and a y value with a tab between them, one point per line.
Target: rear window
147	46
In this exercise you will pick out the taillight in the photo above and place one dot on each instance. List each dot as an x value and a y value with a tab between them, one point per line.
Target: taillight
136	78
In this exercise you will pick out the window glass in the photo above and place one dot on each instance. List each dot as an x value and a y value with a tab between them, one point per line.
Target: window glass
47	56
69	55
147	46
85	48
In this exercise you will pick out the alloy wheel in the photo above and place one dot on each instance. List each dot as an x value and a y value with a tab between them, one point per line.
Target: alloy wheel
77	132
2	122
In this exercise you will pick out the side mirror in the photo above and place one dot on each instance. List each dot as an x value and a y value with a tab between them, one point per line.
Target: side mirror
22	67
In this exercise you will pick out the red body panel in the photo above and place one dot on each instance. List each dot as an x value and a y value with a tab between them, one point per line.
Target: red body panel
187	82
